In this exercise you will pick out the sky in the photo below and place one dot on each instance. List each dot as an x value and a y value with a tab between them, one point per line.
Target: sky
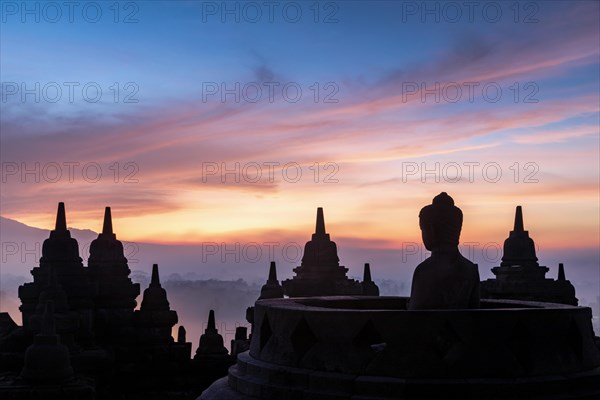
211	121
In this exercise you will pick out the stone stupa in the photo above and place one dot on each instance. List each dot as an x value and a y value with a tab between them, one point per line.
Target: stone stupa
212	360
60	255
320	273
369	288
115	299
271	289
520	277
155	319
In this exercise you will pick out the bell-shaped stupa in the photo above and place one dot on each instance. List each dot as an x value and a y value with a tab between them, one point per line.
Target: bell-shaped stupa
320	273
155	319
115	299
60	256
368	286
520	277
272	289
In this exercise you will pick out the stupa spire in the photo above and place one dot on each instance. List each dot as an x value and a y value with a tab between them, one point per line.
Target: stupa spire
369	288
61	219
320	225
181	334
272	289
107	228
272	272
561	272
518	220
367	273
155	281
212	326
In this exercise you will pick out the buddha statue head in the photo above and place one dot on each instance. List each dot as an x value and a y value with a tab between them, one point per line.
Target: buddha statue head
440	223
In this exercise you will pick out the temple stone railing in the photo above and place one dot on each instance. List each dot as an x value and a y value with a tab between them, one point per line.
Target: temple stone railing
359	348
377	336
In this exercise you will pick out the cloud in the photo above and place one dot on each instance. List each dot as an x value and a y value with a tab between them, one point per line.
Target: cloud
556	135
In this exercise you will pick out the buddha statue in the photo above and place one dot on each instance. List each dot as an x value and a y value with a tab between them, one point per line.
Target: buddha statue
446	280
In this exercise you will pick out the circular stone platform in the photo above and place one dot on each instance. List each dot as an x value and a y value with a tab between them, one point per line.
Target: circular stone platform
373	348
